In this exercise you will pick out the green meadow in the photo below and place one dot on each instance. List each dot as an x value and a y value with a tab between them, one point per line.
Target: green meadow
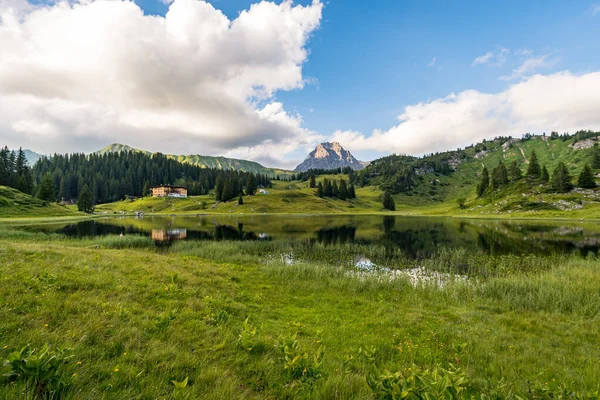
116	318
297	198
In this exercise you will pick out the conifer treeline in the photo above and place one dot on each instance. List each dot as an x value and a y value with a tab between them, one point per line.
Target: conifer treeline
15	171
560	182
232	186
306	175
340	191
112	176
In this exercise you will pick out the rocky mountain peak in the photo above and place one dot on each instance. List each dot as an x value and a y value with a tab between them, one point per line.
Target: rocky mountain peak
329	156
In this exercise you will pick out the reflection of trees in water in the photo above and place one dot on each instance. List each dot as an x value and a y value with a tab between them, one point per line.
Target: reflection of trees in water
227	232
416	237
94	228
419	243
497	243
338	235
388	223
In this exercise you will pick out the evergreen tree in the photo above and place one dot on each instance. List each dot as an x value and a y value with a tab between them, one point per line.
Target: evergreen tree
561	180
499	176
362	180
11	169
514	172
146	190
46	190
84	200
251	185
388	202
596	156
586	178
335	191
484	183
351	191
240	201
327	189
545	178
343	190
228	190
219	188
320	189
20	166
533	171
62	189
313	182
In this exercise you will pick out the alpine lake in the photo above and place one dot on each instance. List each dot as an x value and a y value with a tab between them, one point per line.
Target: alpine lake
415	237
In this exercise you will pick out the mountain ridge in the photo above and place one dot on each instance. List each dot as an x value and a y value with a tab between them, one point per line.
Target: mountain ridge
219	162
329	155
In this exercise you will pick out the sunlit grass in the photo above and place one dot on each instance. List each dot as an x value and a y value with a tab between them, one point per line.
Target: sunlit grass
138	317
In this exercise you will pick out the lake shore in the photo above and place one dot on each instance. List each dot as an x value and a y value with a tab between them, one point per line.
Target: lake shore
141	317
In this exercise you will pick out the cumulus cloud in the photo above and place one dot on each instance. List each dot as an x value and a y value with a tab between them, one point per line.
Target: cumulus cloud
76	76
541	103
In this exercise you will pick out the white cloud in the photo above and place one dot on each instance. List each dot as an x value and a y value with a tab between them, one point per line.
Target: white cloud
77	76
432	63
560	102
497	58
484	59
529	66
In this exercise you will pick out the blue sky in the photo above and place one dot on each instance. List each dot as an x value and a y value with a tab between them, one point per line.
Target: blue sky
368	60
367	64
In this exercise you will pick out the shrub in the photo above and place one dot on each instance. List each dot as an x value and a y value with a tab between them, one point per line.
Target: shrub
246	336
299	364
43	371
415	383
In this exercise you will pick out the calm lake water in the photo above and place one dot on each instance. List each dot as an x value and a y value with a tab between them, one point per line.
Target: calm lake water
416	236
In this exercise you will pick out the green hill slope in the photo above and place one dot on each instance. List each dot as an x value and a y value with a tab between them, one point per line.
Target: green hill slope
205	161
283	198
17	204
444	177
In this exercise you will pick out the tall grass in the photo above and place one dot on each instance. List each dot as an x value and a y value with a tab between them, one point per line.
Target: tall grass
139	317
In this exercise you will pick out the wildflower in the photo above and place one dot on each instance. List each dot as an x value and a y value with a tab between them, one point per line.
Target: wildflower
74	375
116	369
78	362
46	325
5	347
125	353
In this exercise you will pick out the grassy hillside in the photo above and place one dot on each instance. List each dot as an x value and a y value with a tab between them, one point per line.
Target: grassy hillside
463	167
284	198
206	161
16	204
297	198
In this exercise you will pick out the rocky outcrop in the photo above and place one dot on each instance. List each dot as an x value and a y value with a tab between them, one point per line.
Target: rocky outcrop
329	156
583	144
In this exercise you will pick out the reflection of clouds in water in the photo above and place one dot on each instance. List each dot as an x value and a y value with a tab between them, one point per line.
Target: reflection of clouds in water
418	276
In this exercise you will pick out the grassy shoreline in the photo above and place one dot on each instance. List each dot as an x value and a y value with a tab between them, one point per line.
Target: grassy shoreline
137	318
